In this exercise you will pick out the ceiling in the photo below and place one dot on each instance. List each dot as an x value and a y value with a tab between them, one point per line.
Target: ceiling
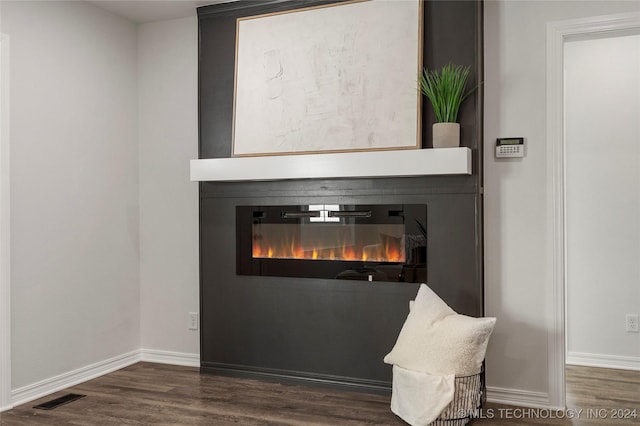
142	11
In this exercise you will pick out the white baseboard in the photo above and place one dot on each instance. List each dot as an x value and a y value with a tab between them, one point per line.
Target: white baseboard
604	361
540	399
72	378
168	357
518	397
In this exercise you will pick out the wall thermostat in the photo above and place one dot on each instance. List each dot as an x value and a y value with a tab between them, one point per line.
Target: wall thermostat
509	147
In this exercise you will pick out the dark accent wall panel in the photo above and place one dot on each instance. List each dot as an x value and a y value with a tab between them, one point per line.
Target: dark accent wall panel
320	331
324	328
453	34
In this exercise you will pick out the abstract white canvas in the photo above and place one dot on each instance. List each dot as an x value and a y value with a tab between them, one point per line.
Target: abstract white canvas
334	78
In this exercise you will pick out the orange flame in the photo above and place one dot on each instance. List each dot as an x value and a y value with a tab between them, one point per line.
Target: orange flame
391	250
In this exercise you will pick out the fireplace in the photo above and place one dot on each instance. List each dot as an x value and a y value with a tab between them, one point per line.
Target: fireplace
381	242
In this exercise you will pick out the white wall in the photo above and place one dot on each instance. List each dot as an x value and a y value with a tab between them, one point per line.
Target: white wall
602	126
168	138
74	187
5	230
517	235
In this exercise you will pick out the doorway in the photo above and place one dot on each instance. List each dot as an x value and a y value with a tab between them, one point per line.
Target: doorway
559	33
602	198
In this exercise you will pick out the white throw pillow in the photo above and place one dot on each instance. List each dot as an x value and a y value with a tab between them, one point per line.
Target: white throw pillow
436	340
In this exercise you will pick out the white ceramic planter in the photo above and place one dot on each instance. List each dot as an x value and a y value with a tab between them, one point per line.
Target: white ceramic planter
446	135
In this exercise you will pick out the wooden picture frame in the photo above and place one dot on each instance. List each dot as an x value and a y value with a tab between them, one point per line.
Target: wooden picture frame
331	78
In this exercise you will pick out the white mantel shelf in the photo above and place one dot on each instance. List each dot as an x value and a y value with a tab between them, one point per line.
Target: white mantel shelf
370	164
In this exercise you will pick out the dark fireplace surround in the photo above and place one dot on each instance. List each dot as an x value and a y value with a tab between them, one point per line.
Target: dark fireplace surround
321	330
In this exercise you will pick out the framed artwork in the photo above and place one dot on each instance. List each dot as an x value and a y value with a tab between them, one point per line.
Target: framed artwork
339	77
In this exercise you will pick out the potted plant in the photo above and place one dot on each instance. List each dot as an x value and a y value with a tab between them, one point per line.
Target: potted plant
445	90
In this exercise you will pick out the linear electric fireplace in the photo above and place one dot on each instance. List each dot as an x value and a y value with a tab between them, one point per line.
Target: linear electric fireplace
353	242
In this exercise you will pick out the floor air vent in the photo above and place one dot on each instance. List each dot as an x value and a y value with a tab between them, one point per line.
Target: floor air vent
54	403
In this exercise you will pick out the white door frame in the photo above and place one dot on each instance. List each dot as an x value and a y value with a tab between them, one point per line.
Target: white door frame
5	237
557	34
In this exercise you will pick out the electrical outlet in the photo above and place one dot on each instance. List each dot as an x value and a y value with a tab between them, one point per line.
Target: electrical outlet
193	320
632	323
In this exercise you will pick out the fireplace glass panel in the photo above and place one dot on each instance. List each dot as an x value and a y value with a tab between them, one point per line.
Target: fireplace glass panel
366	242
358	242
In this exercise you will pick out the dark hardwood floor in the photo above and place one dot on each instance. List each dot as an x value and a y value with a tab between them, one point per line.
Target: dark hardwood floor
156	394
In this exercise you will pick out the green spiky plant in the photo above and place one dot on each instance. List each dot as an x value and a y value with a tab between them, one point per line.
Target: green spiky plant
445	90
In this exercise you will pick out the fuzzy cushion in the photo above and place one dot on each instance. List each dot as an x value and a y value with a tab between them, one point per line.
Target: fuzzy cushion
436	340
